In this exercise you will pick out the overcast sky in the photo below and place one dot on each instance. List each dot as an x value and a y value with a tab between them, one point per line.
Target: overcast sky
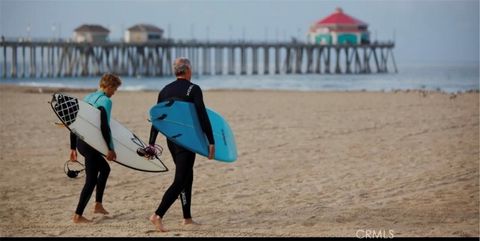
424	31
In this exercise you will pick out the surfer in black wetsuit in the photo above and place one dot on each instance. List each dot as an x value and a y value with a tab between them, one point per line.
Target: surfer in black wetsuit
181	89
96	168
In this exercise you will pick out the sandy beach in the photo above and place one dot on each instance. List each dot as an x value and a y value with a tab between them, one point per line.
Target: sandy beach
310	164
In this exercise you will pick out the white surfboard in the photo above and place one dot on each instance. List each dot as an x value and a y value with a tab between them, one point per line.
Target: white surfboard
84	120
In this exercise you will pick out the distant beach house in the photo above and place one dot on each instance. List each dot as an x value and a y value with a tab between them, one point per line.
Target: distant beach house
339	28
91	33
143	33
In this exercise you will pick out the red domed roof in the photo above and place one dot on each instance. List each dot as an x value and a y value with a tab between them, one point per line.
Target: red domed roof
340	18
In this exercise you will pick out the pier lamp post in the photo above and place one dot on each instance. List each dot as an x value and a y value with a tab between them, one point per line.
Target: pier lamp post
192	31
53	32
28	33
208	34
277	38
243	34
266	34
169	34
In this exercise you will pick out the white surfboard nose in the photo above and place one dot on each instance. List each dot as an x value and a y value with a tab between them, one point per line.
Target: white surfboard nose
66	108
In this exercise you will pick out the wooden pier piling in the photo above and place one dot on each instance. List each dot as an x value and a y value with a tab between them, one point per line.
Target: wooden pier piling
69	59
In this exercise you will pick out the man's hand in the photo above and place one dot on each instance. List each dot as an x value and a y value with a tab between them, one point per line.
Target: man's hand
211	151
111	156
73	155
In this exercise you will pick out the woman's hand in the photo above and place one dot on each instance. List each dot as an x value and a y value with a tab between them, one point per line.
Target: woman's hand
111	155
73	155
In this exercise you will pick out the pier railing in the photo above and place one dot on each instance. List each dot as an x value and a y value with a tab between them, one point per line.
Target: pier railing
32	59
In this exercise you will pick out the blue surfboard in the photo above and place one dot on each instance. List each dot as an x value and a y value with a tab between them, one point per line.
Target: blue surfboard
178	121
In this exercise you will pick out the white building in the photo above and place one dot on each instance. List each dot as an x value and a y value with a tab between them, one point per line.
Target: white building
143	33
91	33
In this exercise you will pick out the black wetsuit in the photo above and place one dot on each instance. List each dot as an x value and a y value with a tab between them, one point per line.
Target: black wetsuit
96	167
184	159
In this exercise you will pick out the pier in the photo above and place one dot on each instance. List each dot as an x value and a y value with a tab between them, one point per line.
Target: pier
37	59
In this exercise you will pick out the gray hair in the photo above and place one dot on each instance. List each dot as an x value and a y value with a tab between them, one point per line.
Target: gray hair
181	65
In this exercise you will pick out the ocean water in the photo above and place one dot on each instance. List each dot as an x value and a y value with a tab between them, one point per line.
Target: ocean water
448	78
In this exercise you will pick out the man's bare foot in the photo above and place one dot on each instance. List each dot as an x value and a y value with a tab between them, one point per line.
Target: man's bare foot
80	219
157	221
188	221
99	208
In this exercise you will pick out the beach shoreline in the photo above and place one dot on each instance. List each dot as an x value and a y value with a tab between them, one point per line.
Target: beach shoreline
49	89
310	164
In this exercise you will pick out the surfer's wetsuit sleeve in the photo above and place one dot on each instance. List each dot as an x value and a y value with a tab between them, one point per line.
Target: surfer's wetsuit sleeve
73	141
202	113
153	136
105	128
153	131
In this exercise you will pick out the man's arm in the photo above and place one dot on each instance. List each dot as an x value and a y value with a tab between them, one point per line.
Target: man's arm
202	114
204	120
153	131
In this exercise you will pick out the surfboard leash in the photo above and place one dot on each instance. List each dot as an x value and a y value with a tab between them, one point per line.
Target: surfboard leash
72	173
151	151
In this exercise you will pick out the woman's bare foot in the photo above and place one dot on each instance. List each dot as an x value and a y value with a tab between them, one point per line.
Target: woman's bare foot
157	221
99	208
188	221
80	219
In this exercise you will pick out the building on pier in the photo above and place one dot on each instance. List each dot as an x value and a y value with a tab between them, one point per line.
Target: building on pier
90	33
143	33
339	28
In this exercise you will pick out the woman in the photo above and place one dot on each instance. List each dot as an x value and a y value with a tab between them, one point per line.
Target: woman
96	168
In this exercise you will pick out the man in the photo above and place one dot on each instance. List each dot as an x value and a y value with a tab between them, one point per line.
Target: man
181	89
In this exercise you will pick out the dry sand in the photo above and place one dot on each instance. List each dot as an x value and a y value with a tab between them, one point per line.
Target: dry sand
310	164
